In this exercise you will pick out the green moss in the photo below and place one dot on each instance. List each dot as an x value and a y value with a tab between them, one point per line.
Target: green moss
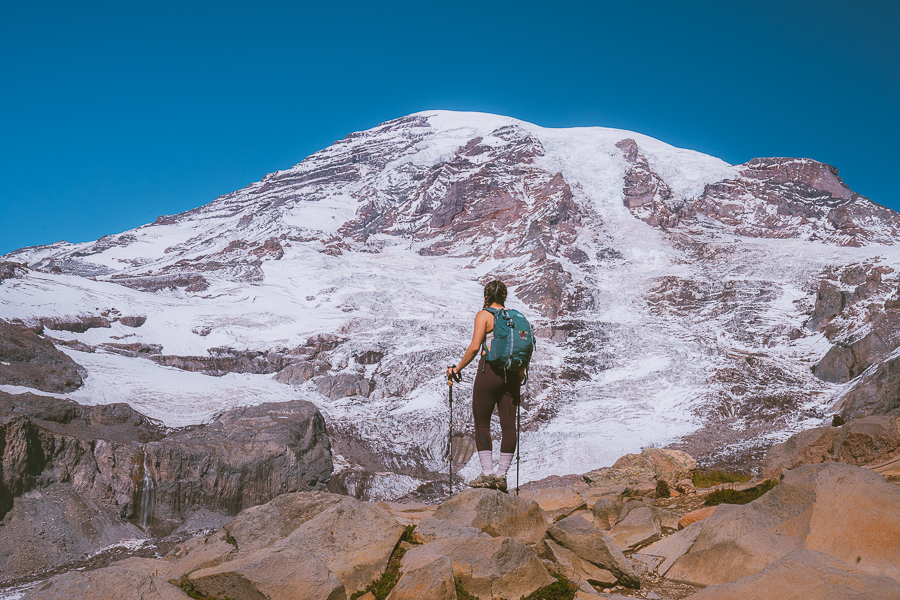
383	586
561	589
461	593
705	479
739	497
188	586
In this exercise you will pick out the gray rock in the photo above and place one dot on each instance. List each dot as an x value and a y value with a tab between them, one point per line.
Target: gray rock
637	529
594	545
198	553
55	526
433	581
282	573
494	513
809	575
486	567
606	511
575	568
431	529
354	539
33	361
670	548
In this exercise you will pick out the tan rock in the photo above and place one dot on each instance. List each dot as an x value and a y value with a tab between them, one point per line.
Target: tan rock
263	525
812	446
354	539
637	529
494	513
268	573
129	579
594	545
433	581
670	548
574	568
592	492
806	575
847	512
555	502
670	466
696	515
212	552
606	511
486	567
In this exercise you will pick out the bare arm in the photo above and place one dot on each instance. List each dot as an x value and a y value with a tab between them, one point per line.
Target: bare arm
482	320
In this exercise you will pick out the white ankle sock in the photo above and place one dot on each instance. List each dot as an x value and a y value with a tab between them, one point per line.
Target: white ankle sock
487	462
505	461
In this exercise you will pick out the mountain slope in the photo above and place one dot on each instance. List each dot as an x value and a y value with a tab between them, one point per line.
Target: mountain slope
677	299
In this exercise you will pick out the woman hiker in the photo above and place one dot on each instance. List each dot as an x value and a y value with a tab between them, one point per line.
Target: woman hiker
492	389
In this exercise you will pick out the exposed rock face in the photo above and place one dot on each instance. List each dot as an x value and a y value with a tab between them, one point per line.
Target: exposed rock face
800	513
875	393
56	525
807	574
433	580
127	465
858	442
29	360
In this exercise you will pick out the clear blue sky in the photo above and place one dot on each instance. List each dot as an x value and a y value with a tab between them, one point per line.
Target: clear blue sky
114	113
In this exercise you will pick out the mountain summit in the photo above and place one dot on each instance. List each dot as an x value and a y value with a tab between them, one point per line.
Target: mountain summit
678	300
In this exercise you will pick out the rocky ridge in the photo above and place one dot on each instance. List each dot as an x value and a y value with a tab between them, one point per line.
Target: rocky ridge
605	541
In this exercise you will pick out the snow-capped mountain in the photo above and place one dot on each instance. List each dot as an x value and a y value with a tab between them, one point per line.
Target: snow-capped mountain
677	299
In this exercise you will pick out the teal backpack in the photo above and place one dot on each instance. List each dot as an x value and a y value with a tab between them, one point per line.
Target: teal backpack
513	341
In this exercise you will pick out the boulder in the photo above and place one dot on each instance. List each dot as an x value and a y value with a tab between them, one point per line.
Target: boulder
857	442
354	539
670	466
129	579
555	502
805	575
430	530
261	526
486	567
606	511
670	548
595	546
696	515
590	492
847	512
433	581
282	573
637	529
574	568
494	513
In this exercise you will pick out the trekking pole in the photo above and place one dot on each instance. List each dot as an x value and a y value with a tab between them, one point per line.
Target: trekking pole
454	377
518	426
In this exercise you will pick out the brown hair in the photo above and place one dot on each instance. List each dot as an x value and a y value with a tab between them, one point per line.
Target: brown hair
495	291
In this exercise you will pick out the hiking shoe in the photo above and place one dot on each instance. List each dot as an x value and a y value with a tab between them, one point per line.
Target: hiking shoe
499	483
482	481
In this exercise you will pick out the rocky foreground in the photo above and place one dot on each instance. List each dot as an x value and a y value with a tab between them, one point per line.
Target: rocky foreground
825	530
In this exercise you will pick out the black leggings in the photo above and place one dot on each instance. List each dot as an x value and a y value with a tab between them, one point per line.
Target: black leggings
490	391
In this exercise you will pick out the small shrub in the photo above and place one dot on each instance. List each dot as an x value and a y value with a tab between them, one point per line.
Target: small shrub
662	489
188	587
705	479
739	497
